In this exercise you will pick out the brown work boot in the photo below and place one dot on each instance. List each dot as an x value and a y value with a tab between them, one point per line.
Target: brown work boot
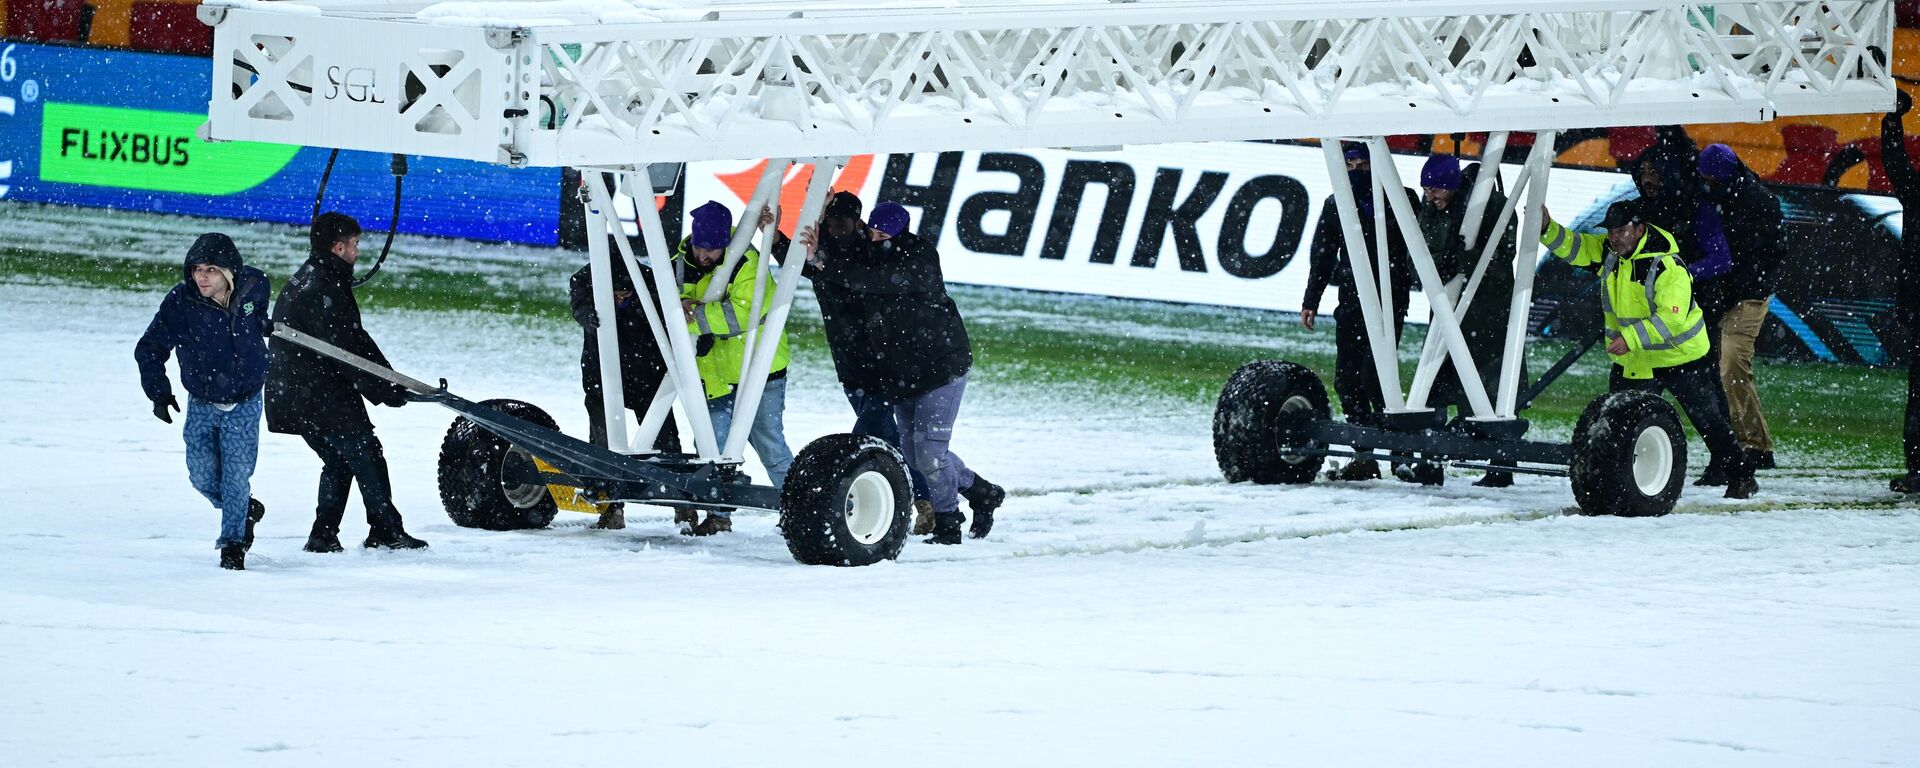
613	518
922	517
686	517
712	525
1356	470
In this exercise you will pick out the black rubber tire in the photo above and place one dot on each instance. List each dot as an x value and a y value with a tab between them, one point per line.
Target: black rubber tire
1604	445
1265	408
814	503
470	470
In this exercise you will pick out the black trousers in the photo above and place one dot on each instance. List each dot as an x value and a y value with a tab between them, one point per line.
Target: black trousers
1696	386
1913	402
1354	379
639	396
345	458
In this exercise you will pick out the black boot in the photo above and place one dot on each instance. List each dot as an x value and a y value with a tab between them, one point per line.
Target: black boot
1760	459
1908	484
1715	475
983	497
233	557
323	540
1495	479
946	527
391	537
1742	485
255	511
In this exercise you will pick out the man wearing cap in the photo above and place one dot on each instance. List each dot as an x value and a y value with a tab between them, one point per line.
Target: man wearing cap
642	367
1906	307
216	319
722	326
1442	214
1746	217
920	354
1656	333
1354	379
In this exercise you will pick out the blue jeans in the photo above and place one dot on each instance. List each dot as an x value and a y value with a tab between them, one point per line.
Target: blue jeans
768	435
221	449
873	417
927	424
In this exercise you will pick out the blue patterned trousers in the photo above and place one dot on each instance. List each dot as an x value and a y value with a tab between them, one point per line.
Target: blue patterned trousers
221	449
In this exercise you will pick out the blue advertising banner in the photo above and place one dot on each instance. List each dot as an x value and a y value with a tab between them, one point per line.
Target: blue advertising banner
116	129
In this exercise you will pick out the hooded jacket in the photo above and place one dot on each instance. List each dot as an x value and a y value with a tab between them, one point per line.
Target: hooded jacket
641	363
728	319
308	394
222	350
894	303
1753	230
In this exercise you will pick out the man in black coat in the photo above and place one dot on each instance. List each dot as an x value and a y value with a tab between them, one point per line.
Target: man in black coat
1736	302
319	399
916	357
1906	185
1354	378
642	367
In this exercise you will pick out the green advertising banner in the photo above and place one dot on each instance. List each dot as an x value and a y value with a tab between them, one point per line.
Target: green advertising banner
149	150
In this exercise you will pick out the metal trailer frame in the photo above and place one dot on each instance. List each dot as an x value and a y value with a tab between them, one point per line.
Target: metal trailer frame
810	85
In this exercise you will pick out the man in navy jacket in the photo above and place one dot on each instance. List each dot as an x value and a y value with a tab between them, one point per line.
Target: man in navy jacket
216	320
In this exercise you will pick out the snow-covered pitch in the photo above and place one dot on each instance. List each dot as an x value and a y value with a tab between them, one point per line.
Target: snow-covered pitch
1130	608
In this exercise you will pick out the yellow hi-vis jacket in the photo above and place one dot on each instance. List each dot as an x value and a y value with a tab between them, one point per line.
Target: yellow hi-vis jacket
1648	297
728	320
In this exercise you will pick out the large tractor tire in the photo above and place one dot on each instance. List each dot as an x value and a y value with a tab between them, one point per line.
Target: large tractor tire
1266	411
1629	456
472	485
847	501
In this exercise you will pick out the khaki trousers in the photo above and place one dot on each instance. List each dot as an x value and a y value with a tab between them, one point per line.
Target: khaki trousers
1739	327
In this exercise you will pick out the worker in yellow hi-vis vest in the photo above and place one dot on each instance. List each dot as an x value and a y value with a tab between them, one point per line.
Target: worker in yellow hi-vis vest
1656	334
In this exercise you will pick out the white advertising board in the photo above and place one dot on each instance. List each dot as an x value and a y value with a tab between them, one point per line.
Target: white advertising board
1226	224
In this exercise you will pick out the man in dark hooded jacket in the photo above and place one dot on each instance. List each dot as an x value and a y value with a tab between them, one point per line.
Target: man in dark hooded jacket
1354	378
1906	185
216	320
642	367
918	349
319	399
843	318
1736	301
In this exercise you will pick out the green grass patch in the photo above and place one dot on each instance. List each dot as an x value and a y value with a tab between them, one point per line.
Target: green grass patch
1119	354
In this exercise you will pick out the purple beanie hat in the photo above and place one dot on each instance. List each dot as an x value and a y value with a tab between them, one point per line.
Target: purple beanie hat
1441	172
1355	152
712	226
889	217
1718	162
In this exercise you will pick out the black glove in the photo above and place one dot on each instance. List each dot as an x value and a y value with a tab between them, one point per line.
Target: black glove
588	319
396	397
703	345
160	406
1902	102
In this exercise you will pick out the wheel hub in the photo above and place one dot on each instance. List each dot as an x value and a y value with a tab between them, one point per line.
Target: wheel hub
1652	460
1294	414
870	505
520	495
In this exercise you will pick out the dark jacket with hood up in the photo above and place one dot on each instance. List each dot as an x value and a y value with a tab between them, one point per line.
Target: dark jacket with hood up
641	363
893	297
222	350
308	394
1327	256
1753	227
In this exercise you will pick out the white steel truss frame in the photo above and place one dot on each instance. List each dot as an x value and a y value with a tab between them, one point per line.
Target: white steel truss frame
754	84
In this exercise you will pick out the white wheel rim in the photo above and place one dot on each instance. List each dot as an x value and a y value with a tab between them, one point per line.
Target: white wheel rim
870	503
520	495
1652	460
1290	406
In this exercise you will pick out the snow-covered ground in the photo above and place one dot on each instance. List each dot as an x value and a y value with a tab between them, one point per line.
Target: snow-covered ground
1130	609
